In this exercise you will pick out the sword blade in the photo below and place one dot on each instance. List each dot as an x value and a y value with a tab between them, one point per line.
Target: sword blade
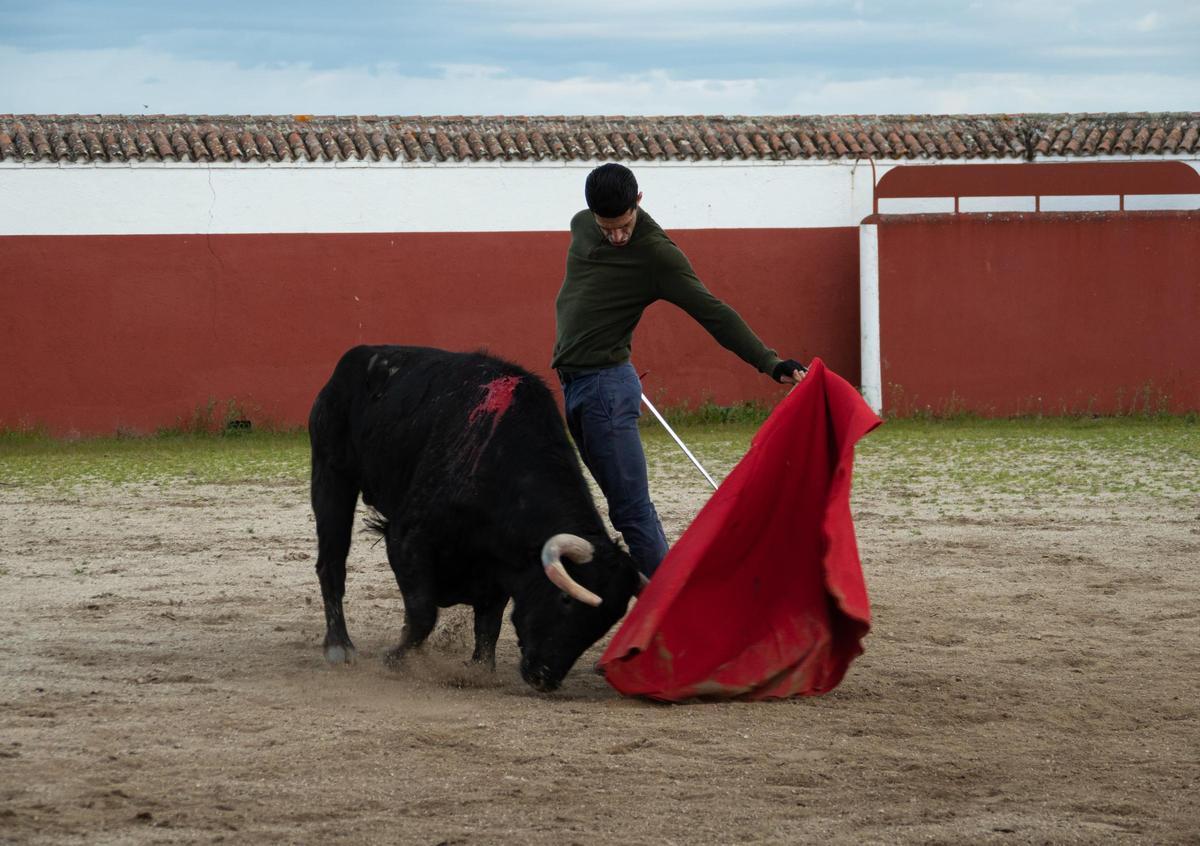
682	445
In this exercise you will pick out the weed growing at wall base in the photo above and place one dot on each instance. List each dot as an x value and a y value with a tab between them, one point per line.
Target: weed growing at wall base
708	413
23	433
1145	402
230	417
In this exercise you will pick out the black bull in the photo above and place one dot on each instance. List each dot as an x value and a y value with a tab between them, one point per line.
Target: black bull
480	496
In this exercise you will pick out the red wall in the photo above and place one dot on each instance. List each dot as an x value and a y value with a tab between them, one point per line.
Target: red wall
1040	313
133	333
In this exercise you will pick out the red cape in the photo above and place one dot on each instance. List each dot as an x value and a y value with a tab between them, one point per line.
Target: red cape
763	597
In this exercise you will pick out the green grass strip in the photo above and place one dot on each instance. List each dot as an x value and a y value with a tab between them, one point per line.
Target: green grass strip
926	459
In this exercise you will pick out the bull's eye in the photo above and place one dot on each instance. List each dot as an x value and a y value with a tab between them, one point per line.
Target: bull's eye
564	599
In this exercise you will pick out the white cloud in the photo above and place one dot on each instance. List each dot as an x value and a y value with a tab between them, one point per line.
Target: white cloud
623	8
1099	52
137	81
468	73
1148	22
665	30
1012	93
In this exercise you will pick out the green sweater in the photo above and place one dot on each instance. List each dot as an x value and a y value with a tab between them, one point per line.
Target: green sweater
607	288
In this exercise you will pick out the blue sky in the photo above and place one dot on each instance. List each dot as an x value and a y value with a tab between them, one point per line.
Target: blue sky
755	57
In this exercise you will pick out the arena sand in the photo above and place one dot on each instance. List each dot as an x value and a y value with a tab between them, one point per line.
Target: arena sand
1032	677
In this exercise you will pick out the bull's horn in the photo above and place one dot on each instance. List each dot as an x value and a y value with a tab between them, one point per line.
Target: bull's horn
577	549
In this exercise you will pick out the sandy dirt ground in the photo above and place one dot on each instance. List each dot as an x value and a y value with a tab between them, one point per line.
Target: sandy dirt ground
1031	677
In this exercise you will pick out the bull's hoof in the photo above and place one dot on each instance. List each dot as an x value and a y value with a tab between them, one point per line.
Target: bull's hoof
393	657
335	654
484	663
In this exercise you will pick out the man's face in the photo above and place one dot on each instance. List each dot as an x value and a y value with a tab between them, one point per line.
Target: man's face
618	230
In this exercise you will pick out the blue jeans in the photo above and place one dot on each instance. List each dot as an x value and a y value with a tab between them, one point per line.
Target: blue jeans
602	413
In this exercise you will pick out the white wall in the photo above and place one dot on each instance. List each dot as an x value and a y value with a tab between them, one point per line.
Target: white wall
136	198
190	199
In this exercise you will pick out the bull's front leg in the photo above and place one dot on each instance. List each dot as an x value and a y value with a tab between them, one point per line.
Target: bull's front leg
412	565
489	614
420	616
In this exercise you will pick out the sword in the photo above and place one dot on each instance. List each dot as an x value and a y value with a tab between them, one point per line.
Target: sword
682	445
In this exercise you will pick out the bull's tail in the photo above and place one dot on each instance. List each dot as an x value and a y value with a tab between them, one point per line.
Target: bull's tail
375	523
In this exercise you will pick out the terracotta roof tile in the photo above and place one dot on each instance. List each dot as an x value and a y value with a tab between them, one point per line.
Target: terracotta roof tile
1173	138
41	146
60	148
229	147
23	144
307	138
195	145
1124	139
311	146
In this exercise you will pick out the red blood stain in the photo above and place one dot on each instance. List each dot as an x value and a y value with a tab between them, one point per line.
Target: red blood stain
498	398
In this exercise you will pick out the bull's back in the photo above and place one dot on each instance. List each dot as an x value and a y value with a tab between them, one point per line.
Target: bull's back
395	411
360	372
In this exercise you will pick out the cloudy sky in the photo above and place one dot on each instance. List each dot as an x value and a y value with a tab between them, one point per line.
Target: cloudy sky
755	57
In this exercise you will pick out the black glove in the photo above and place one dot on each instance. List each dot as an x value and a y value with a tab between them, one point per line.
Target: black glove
787	368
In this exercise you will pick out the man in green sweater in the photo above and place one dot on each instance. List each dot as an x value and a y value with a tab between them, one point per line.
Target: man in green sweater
619	262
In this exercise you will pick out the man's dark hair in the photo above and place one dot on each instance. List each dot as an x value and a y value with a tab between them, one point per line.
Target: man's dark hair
610	190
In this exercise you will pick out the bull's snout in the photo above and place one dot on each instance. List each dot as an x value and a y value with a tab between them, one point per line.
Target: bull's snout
539	677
